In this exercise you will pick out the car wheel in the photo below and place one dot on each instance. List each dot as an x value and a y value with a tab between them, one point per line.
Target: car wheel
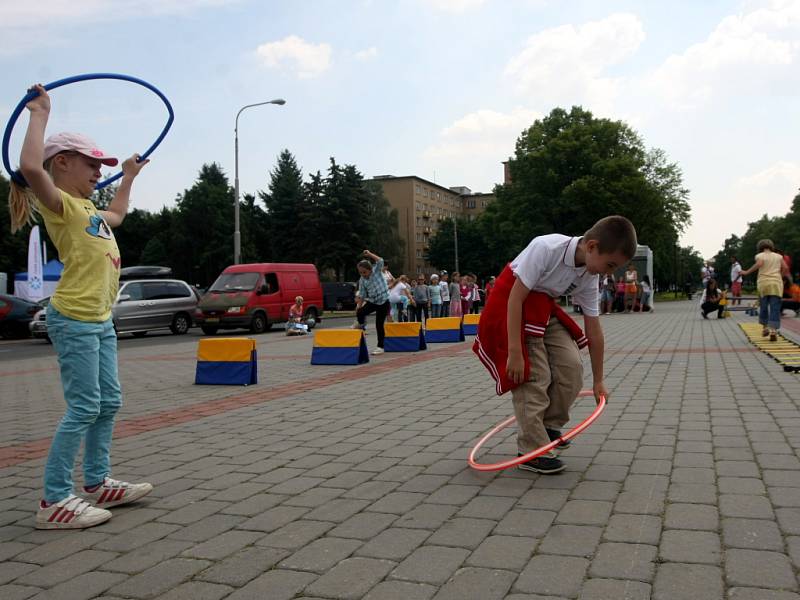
259	324
139	334
180	324
209	330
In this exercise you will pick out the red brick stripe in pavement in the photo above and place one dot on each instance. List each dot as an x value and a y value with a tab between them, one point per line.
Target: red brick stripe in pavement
12	455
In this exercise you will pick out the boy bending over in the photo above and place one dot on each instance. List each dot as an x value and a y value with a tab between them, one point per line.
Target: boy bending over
530	345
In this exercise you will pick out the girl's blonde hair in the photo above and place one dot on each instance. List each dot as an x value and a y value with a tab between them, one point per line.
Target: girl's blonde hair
22	202
21	206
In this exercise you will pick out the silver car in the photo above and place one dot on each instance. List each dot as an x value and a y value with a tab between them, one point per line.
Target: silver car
143	305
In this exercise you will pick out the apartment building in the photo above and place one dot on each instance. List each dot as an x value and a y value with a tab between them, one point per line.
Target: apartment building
421	206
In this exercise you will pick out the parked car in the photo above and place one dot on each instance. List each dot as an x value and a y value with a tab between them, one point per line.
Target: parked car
141	306
38	326
144	272
254	296
144	305
339	296
15	315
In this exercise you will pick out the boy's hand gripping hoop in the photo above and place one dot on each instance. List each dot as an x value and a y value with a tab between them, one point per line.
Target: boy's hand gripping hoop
601	404
17	177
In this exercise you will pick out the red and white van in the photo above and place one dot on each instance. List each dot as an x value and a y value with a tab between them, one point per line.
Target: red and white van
255	296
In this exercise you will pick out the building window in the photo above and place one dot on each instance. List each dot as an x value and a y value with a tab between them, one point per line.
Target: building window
419	253
416	189
419	206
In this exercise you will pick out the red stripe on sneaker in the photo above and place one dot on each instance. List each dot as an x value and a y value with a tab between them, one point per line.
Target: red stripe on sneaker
118	494
102	496
65	516
54	515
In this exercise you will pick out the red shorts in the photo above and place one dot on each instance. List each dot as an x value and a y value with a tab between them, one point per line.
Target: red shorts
736	288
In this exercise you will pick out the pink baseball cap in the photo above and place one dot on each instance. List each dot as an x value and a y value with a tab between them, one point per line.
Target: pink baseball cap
62	142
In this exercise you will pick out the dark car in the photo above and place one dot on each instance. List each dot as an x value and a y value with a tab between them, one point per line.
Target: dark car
15	315
339	296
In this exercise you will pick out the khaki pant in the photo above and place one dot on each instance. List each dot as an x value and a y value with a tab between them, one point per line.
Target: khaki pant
555	379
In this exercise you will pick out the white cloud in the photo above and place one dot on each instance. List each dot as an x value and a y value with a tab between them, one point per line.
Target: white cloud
60	12
368	54
477	143
28	25
565	65
454	6
783	173
294	53
744	53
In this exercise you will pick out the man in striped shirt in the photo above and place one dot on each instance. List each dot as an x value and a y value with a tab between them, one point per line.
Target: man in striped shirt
373	295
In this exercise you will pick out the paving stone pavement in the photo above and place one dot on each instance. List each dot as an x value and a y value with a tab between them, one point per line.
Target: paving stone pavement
352	482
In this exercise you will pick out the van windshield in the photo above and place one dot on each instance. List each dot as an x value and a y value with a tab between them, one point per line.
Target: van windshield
235	282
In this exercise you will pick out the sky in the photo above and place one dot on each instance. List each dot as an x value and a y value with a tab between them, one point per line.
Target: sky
435	88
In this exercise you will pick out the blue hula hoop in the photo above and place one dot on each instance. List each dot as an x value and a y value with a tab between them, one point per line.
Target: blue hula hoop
12	121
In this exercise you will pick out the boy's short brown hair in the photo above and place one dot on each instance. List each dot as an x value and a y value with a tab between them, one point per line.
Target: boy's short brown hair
613	234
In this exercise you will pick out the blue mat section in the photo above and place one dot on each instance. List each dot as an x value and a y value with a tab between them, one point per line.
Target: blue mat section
339	356
226	373
470	330
444	335
410	343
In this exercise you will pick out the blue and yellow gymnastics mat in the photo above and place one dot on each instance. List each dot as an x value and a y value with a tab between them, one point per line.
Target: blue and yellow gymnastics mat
444	329
404	337
226	361
339	347
471	324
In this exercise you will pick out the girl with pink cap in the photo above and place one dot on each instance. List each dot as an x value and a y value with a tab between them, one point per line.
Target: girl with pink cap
61	174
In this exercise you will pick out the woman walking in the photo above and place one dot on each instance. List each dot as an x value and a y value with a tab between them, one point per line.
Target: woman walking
771	269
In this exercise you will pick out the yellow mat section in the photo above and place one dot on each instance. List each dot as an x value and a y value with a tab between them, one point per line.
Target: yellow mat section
471	319
784	351
441	323
402	329
225	349
337	338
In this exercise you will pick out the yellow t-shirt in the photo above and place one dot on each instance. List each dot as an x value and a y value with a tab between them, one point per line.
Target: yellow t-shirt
87	247
770	282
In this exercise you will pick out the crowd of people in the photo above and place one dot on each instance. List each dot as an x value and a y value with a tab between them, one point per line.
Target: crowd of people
437	295
628	293
774	286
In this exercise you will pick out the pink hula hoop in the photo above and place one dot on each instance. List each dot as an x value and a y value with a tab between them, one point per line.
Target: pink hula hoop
499	466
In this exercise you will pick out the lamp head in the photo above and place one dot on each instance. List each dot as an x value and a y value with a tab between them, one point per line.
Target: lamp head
279	101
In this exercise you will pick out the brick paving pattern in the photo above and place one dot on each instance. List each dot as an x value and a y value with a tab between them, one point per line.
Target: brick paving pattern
352	482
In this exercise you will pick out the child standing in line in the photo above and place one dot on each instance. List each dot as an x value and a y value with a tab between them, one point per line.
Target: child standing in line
61	174
436	296
530	345
455	295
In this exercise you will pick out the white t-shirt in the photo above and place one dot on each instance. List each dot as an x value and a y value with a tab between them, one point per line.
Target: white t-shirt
547	265
736	270
445	287
396	293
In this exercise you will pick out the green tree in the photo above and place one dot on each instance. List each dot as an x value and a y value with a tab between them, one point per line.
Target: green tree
285	204
382	223
202	242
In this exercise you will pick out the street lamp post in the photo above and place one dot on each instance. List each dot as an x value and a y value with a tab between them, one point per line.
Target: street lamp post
237	236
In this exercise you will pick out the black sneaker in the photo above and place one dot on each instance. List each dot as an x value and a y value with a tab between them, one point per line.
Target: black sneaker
554	434
702	312
547	465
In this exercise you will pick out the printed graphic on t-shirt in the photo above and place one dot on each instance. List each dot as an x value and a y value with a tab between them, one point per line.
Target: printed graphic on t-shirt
98	228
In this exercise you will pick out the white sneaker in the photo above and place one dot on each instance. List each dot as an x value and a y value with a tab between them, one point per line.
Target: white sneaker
71	513
115	493
377	351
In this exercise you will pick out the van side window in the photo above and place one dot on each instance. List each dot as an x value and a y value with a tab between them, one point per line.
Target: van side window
134	290
156	291
271	279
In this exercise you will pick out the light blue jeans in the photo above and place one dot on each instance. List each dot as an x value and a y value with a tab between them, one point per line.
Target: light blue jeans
769	311
87	356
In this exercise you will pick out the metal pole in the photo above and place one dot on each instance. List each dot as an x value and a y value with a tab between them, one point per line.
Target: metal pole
455	239
237	236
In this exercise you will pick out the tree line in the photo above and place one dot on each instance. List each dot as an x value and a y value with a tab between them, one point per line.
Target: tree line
327	220
784	231
570	169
